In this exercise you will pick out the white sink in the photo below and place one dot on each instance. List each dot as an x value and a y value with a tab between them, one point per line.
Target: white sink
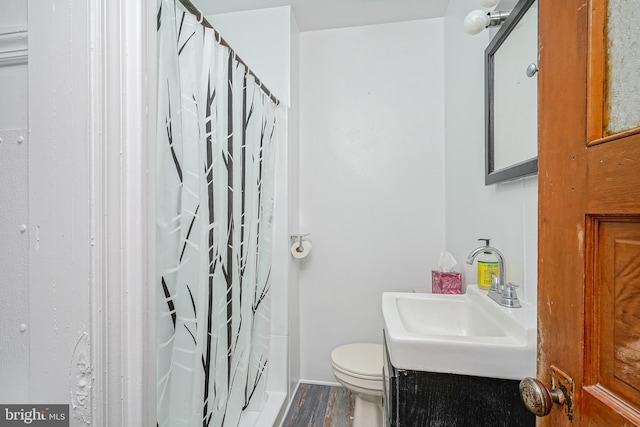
467	334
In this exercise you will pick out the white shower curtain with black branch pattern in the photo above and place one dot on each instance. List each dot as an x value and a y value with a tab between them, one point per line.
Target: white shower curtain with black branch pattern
215	180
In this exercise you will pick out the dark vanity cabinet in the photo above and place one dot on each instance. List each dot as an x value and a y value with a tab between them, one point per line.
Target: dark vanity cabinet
421	399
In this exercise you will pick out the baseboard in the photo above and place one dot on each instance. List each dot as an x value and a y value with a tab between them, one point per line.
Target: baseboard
327	383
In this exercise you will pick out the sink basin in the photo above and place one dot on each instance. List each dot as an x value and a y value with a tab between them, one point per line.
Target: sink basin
465	334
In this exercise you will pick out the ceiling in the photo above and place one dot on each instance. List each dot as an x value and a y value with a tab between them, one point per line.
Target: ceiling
325	14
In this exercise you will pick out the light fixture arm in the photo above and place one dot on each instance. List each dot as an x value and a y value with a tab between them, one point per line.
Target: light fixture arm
497	17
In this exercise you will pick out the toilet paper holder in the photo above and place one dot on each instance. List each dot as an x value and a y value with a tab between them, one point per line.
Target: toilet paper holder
299	237
300	248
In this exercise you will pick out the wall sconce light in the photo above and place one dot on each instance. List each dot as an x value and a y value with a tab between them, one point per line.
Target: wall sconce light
478	20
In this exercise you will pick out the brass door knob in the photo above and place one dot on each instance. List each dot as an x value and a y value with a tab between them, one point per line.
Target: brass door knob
538	398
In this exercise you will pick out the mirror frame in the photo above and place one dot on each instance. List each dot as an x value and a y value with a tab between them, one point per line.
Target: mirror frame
517	170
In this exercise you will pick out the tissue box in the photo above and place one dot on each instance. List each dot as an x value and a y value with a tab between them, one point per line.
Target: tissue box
445	282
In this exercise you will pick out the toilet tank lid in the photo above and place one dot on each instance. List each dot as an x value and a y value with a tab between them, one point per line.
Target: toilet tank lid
360	358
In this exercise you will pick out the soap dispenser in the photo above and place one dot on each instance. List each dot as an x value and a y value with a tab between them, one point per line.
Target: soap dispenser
487	267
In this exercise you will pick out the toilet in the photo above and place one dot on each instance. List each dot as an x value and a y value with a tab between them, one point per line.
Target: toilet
358	367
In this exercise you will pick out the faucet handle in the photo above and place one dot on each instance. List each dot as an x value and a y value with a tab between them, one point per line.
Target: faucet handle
509	295
495	282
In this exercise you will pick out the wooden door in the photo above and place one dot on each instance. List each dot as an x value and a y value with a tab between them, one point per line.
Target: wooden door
589	222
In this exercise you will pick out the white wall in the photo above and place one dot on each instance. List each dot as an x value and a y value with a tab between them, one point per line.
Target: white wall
45	263
58	228
14	196
14	13
262	38
506	213
371	177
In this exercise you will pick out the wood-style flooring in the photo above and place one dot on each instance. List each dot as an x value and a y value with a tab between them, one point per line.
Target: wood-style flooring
320	406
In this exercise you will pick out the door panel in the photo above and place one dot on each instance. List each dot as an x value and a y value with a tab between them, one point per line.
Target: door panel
613	172
612	336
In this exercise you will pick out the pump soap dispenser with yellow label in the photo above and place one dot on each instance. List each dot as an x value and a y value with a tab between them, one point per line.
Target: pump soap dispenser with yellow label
487	267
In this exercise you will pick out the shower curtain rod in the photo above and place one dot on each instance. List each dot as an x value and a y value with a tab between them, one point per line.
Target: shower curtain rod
201	18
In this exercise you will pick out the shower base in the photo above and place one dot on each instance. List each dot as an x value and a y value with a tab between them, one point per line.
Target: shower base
273	408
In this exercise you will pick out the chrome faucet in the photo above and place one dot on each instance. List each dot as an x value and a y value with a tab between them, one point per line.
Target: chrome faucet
503	294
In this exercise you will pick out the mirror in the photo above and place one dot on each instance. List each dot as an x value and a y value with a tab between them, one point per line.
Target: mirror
511	97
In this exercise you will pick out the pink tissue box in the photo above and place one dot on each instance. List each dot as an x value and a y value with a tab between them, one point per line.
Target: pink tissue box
446	282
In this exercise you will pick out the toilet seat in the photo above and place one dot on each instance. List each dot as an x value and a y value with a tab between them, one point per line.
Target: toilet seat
359	360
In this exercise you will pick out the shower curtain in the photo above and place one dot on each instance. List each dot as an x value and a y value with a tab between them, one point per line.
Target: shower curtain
215	182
